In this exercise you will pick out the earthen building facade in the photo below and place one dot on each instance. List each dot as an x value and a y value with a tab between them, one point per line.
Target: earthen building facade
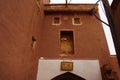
34	30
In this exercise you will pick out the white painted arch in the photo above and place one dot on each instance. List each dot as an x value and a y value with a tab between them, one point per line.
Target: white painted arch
88	69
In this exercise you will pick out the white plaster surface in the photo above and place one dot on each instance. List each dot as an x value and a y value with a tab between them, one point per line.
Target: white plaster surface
88	69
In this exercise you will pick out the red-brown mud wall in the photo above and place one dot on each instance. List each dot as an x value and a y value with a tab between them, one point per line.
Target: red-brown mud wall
19	21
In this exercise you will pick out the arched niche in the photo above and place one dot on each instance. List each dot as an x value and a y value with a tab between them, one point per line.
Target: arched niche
68	76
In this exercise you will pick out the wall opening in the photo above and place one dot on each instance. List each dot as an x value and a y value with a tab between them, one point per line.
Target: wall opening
56	21
68	76
66	42
76	21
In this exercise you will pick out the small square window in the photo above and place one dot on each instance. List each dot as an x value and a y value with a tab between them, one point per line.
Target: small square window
76	21
56	21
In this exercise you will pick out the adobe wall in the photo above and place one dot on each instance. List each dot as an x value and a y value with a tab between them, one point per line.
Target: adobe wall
116	11
115	66
46	1
89	38
19	21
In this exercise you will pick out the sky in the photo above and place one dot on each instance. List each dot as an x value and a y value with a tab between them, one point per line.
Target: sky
77	1
102	15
